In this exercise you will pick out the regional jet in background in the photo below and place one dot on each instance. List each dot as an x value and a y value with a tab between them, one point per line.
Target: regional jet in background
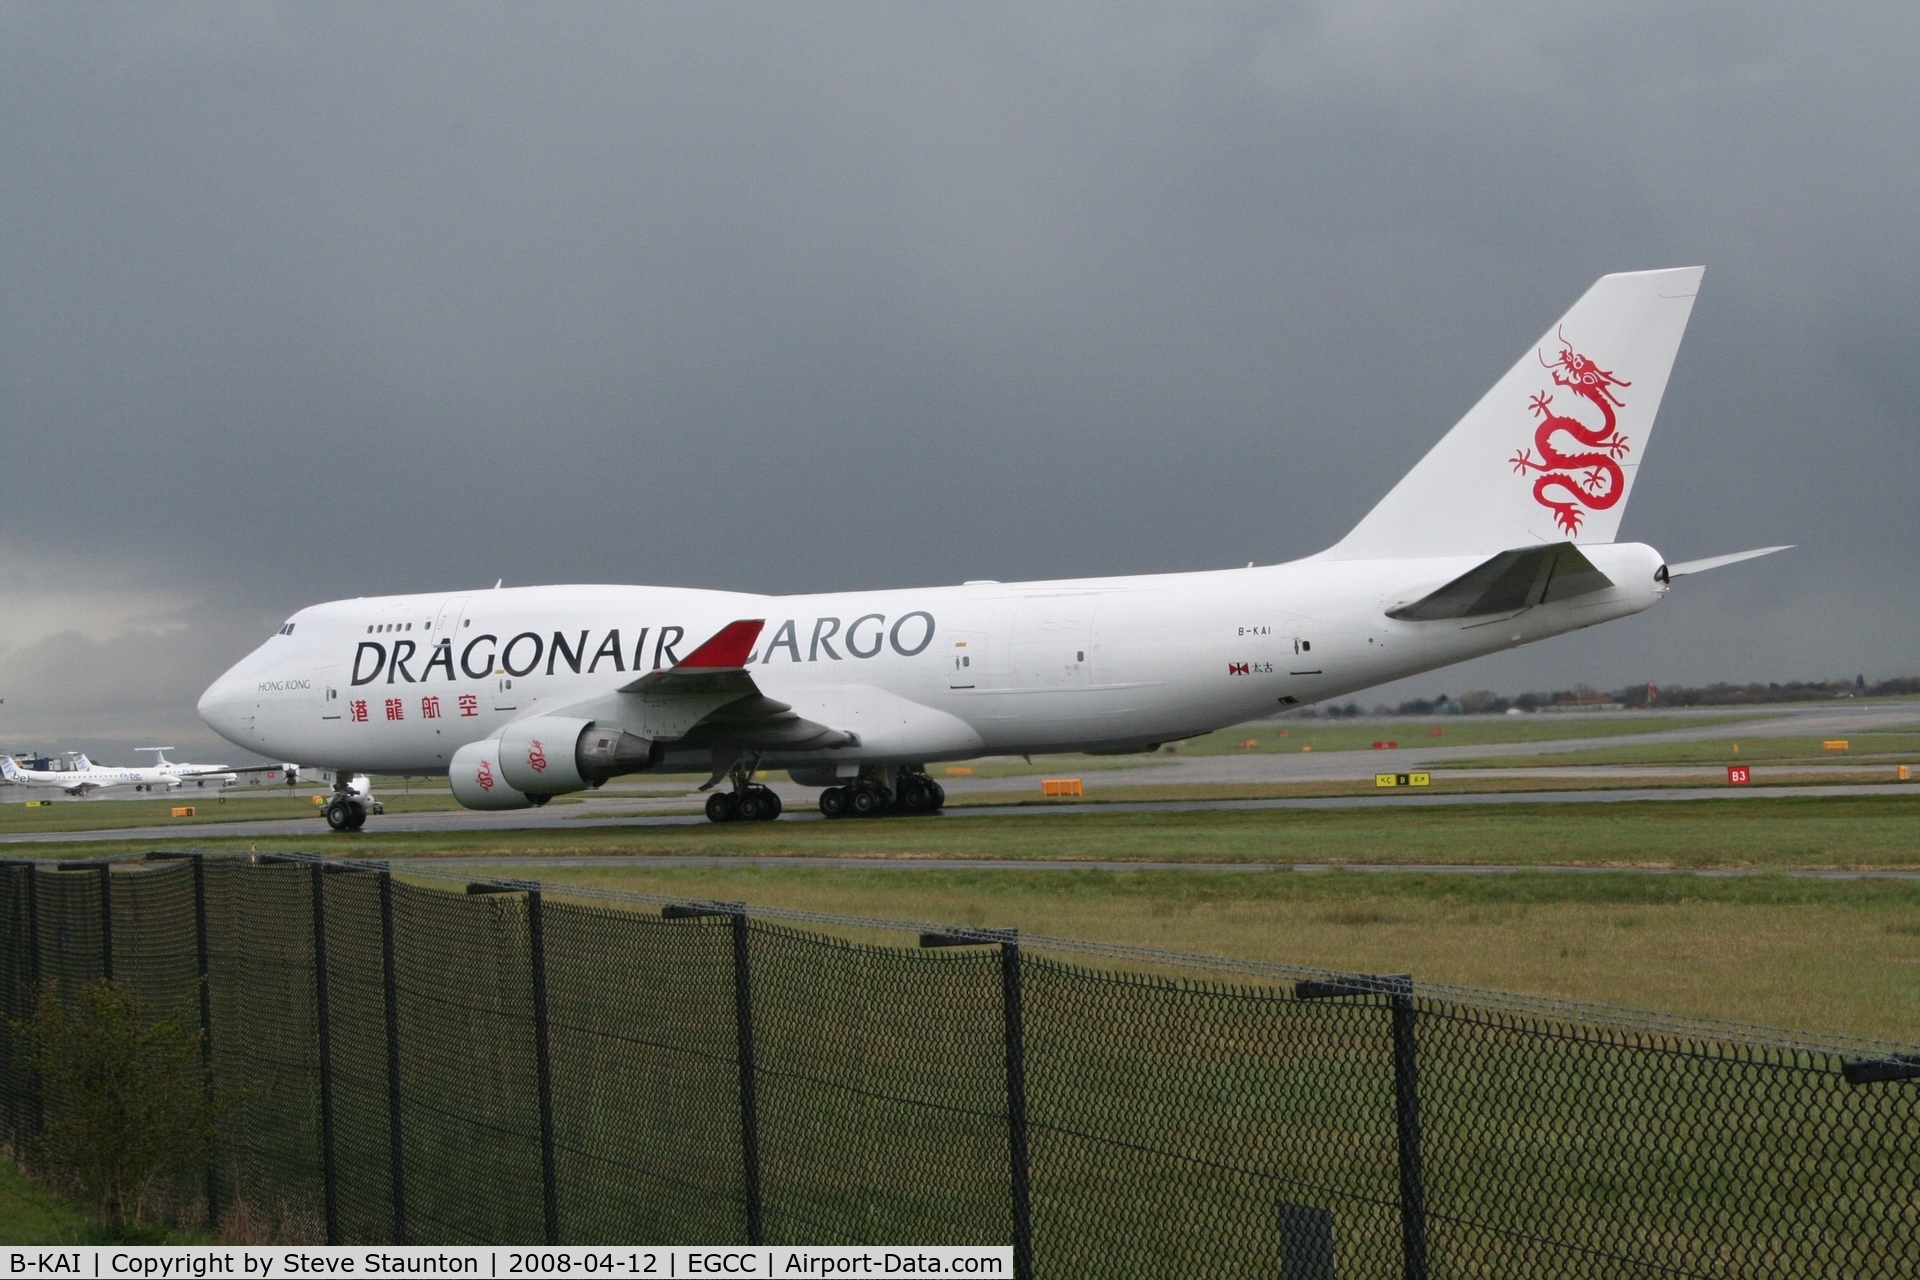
1503	534
165	773
82	777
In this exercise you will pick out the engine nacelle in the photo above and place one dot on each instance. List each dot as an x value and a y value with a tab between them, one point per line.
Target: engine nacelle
477	781
549	755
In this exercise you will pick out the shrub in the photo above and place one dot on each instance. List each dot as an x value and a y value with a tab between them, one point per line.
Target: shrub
123	1098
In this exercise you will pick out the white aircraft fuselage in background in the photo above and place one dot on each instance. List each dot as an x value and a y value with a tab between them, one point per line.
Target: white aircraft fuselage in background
85	777
1501	536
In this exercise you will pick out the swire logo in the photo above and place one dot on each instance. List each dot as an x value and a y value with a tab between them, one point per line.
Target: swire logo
1237	669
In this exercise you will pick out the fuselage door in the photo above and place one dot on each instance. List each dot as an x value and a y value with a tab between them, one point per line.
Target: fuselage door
328	682
966	659
447	625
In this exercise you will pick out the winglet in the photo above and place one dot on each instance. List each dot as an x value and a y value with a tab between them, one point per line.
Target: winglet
728	647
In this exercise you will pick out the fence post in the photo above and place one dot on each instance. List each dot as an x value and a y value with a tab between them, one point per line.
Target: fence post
749	1105
1016	1107
106	921
1015	1032
542	1062
1406	1091
326	1050
390	981
736	914
22	997
543	1065
36	1112
206	1025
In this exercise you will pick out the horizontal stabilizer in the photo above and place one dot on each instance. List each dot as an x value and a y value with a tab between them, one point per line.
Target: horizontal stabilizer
1511	581
1715	562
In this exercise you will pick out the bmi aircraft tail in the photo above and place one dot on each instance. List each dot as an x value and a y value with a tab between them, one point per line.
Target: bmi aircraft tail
1550	453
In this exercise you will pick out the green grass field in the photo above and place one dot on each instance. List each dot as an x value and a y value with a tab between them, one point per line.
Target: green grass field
1270	737
1821	955
30	1214
1888	745
1453	731
1838	956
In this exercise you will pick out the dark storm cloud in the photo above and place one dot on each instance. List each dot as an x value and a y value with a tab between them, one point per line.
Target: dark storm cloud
305	302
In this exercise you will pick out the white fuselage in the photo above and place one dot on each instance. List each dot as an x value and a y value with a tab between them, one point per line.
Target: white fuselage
94	778
397	684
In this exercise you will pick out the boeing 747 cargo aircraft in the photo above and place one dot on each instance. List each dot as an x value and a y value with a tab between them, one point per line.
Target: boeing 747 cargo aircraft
1502	535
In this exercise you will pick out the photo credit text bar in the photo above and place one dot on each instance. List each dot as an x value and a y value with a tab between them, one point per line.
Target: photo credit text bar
197	1262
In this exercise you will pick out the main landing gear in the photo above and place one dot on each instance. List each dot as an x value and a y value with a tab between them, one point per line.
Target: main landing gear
749	801
869	796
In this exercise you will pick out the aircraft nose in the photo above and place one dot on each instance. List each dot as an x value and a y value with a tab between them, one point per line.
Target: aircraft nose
219	706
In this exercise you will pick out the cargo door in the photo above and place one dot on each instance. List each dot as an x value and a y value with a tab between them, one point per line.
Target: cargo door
1052	641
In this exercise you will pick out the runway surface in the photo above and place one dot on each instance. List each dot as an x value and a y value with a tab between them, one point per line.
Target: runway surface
650	805
536	819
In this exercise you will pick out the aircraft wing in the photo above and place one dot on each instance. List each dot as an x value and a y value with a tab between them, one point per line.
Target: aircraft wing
710	699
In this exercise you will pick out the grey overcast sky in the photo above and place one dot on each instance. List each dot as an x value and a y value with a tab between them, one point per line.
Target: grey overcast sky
309	301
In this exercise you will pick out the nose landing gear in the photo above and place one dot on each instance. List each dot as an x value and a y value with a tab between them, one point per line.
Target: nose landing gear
351	803
344	814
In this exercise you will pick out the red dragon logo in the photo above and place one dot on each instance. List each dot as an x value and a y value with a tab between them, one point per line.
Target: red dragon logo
1592	480
537	757
484	776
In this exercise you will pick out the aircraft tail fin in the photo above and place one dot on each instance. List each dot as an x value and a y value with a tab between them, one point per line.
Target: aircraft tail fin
8	769
1549	454
81	762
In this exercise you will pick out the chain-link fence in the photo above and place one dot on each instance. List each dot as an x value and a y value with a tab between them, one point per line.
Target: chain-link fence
408	1062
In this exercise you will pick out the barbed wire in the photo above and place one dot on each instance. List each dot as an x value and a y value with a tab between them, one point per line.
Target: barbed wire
1680	1027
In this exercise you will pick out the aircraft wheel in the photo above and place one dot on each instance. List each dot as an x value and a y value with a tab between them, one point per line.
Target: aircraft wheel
752	805
721	807
339	815
356	815
936	797
866	802
771	806
833	802
912	798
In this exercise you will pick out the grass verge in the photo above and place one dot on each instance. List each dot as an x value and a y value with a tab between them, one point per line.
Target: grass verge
1830	956
30	1214
1878	746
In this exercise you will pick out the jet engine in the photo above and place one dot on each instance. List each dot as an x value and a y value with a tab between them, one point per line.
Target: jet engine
478	782
549	755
